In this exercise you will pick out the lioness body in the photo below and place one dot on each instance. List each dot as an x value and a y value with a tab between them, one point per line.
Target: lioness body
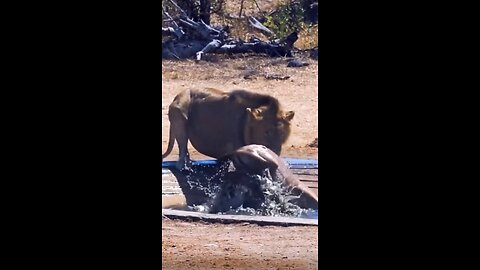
217	122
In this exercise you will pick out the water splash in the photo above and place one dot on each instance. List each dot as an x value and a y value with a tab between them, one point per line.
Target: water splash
275	198
213	181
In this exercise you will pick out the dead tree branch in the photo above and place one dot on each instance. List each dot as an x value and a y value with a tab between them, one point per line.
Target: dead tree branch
188	38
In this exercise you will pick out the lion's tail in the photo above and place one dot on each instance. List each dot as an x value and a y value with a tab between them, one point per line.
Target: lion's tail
171	141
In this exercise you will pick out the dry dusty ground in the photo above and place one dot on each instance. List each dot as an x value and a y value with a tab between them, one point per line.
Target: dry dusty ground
196	245
217	246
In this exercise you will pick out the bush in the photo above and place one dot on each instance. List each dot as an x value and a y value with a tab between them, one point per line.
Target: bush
291	16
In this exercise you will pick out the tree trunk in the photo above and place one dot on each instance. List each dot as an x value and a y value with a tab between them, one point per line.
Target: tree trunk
205	6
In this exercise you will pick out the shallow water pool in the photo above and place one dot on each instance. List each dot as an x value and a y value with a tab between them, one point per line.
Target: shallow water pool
201	185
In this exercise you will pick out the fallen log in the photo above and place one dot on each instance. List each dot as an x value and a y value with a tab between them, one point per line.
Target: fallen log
193	39
176	49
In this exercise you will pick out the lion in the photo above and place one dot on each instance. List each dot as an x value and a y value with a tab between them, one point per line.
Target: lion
217	123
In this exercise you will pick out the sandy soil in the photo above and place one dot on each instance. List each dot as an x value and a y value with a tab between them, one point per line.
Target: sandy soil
196	245
217	246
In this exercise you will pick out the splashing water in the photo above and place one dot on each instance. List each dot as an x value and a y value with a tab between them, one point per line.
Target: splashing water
214	182
275	197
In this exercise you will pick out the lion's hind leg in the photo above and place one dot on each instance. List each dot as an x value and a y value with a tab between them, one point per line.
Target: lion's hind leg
178	116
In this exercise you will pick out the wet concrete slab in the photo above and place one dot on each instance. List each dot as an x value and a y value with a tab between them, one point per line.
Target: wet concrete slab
228	219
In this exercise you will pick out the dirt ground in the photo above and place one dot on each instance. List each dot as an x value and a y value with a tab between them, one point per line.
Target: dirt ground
202	246
194	245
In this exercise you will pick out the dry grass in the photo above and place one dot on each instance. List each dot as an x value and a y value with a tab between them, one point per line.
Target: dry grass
308	36
249	6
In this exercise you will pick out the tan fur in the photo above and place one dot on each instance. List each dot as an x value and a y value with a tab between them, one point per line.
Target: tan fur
217	123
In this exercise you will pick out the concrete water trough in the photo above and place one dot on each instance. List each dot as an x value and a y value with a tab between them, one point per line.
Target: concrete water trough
179	192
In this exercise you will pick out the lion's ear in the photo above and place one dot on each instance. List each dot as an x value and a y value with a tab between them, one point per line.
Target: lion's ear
289	115
255	113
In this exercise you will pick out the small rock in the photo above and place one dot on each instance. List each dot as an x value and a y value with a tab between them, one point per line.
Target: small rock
314	54
296	63
249	74
314	143
276	77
